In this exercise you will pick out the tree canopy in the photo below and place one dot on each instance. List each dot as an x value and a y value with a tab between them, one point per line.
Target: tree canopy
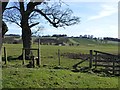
53	13
28	14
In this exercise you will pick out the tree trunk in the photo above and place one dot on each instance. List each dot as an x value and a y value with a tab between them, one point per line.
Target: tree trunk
4	28
26	37
4	4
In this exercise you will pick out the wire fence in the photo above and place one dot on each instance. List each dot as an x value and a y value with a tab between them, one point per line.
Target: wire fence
53	56
49	55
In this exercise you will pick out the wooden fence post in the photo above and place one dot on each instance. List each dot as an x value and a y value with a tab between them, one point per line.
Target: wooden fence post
91	56
119	64
33	60
39	42
5	55
23	51
58	56
114	66
96	59
38	61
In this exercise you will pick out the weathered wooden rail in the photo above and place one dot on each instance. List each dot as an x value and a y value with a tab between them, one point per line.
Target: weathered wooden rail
106	61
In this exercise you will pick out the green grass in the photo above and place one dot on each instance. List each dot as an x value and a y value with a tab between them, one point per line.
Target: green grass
51	78
17	76
49	53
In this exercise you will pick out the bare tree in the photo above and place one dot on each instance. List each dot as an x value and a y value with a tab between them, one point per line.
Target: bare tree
4	26
27	15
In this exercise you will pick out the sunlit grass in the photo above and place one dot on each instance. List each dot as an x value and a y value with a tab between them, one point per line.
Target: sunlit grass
15	75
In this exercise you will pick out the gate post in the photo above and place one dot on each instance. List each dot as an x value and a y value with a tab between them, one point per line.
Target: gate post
58	56
91	56
114	66
23	51
38	61
5	55
33	61
96	57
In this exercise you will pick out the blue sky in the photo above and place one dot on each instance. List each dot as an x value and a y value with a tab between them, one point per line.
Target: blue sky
98	18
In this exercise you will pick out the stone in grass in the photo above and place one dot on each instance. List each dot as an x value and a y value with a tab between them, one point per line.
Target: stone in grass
91	72
30	65
84	69
45	65
56	83
67	68
58	67
75	70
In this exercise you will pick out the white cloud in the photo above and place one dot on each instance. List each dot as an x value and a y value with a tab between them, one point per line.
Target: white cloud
65	0
111	31
90	0
107	10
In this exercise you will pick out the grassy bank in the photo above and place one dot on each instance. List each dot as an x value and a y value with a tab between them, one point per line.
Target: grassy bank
47	76
53	78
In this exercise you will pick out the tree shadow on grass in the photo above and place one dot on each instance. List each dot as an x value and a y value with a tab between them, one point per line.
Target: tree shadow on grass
9	58
82	69
99	72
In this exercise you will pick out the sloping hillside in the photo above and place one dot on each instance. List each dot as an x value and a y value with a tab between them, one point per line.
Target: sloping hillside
82	41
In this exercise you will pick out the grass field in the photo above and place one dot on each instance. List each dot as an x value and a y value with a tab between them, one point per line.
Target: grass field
15	75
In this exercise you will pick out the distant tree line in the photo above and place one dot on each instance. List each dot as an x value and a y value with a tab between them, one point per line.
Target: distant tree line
51	41
111	39
16	35
56	35
86	36
12	40
61	37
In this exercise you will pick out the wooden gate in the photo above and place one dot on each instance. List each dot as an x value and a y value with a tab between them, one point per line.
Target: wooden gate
108	62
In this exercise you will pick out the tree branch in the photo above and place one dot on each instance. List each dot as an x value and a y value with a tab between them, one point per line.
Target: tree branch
13	7
32	25
8	20
59	18
31	5
45	16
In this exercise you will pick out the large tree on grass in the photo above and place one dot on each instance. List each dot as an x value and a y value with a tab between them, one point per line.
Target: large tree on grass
28	14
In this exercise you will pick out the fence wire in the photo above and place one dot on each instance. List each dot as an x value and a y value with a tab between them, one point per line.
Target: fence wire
50	55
